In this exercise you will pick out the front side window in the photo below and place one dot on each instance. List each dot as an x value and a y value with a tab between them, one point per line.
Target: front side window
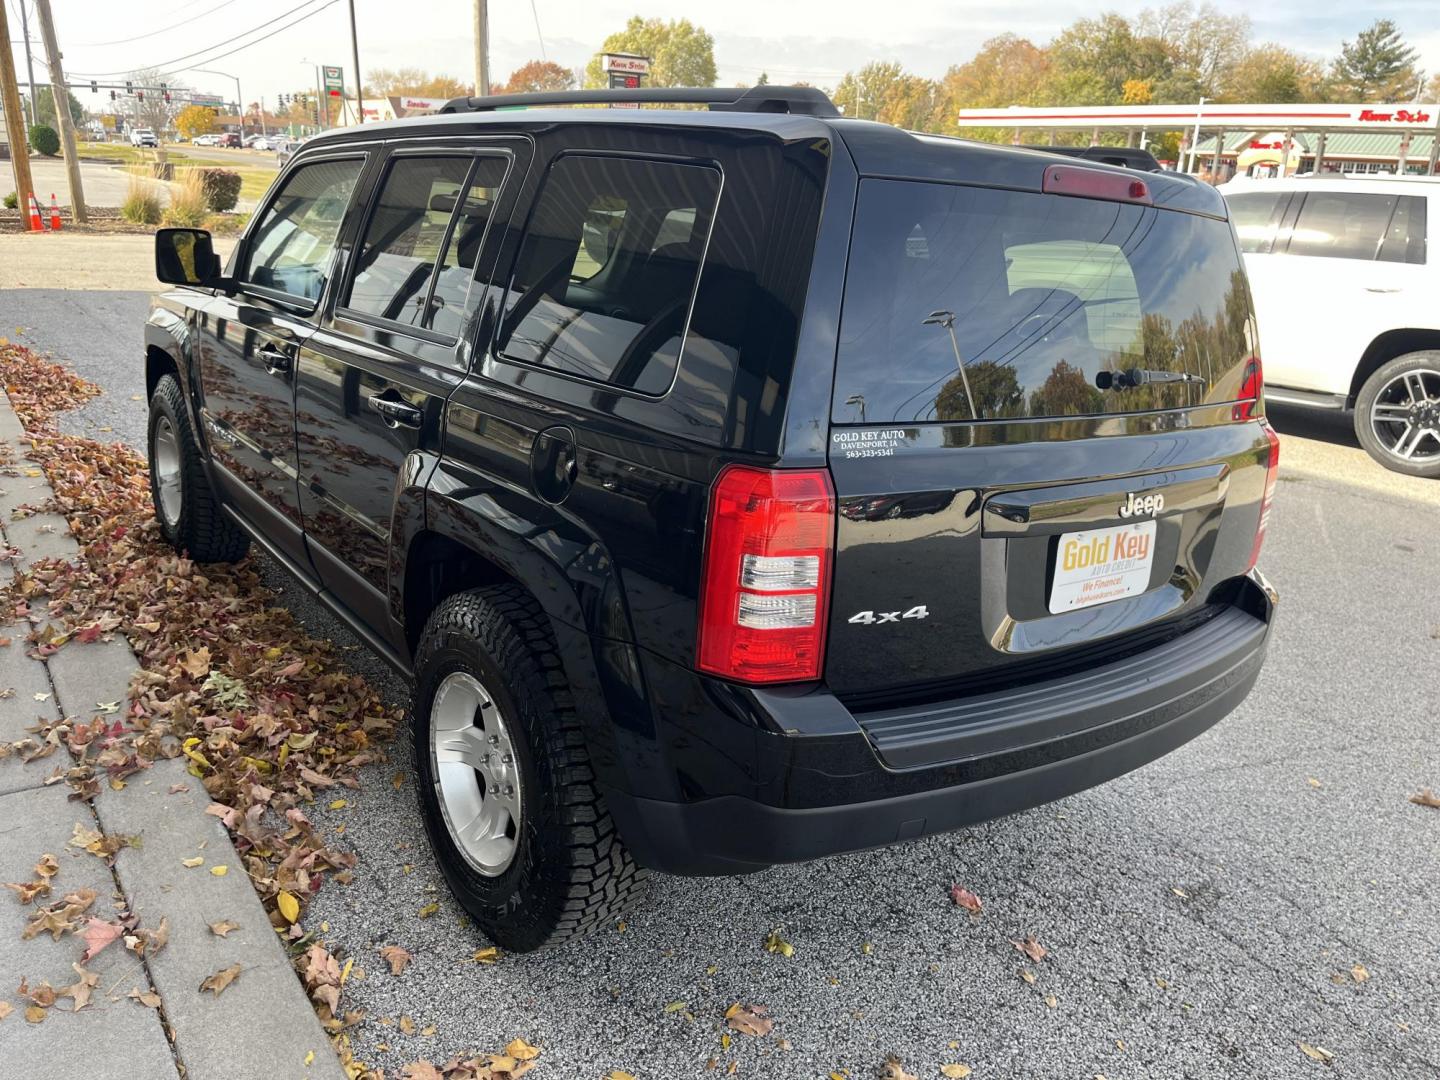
1405	239
431	212
608	267
290	251
1341	225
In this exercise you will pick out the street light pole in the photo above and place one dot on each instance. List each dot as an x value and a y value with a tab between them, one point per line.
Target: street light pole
947	320
239	97
482	48
29	64
359	82
64	121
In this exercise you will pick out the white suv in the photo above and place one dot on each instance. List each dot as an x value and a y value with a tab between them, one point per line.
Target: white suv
143	137
1349	303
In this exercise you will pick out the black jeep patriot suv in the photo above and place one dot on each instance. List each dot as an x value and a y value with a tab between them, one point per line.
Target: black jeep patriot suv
736	485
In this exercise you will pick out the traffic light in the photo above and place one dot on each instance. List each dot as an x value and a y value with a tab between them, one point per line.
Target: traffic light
112	95
165	94
129	87
94	86
139	95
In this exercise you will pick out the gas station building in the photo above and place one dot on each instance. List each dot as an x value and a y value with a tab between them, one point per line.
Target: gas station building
1222	140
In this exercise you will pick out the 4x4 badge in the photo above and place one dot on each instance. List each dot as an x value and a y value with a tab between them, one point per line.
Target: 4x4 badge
1142	505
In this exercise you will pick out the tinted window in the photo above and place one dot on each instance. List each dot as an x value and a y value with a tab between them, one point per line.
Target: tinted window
966	303
1256	215
1405	239
291	248
1341	224
430	211
608	267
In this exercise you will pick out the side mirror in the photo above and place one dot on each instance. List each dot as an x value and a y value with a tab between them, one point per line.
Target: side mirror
186	257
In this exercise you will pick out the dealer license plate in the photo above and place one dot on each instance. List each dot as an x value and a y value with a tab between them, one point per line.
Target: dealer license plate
1100	565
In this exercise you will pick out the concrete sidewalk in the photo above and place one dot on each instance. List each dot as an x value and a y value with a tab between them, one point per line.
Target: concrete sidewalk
263	1025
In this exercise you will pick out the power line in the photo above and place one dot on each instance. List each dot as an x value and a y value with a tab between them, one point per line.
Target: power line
538	34
152	33
265	37
222	44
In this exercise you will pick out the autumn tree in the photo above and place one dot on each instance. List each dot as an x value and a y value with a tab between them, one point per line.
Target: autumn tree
195	120
414	82
1199	43
681	53
45	107
1271	72
1008	70
885	91
537	76
1378	65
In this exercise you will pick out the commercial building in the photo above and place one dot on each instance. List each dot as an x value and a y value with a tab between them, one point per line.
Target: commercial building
1221	140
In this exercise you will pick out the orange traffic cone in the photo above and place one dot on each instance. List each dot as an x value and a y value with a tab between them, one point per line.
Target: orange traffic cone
54	213
35	223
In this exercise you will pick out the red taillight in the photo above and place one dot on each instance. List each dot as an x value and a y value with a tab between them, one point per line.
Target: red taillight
1094	184
765	588
1252	386
1272	472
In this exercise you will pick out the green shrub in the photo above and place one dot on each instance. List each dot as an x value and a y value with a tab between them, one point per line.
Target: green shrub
12	201
44	140
187	207
141	205
222	189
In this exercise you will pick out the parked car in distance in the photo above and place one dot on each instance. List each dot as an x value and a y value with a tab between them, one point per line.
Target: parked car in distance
1127	157
893	484
206	140
1348	300
229	138
143	137
287	149
257	142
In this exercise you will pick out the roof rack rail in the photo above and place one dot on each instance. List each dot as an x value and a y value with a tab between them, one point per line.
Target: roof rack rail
803	100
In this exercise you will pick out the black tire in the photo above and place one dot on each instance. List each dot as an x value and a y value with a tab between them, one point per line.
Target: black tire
200	527
1424	370
570	871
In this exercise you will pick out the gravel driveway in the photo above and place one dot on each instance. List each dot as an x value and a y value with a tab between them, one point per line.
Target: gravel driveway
1204	916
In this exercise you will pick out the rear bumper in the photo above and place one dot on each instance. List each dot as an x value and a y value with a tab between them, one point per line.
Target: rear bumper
904	774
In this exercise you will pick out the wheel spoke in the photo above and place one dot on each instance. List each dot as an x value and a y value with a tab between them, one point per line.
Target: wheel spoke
464	745
1389	410
1409	440
1415	385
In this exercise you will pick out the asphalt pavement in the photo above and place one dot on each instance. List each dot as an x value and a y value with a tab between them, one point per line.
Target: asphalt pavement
1268	885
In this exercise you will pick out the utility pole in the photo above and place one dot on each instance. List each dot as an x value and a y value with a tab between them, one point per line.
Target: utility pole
359	82
14	118
482	48
29	64
65	121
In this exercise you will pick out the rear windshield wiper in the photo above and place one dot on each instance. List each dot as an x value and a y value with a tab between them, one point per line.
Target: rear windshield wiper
1120	380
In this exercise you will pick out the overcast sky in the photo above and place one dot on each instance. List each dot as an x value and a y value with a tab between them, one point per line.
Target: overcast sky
792	40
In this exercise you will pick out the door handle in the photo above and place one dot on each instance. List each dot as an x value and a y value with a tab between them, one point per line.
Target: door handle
394	411
276	360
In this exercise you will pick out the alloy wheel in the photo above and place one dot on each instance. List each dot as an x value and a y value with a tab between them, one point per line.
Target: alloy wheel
477	778
1406	416
165	460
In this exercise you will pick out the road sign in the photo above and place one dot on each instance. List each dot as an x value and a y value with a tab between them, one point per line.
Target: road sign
334	80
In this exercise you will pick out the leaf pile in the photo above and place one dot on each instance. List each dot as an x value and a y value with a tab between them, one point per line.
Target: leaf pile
265	714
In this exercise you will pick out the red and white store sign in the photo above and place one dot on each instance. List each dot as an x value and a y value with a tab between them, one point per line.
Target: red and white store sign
625	63
1262	117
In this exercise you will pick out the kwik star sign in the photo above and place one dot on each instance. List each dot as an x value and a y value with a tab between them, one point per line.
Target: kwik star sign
1263	117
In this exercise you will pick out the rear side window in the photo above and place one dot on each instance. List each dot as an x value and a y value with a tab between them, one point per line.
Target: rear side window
1341	225
971	303
1405	238
290	250
607	269
418	252
1256	215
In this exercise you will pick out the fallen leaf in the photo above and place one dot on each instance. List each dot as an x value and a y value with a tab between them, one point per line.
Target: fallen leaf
396	957
520	1050
1051	1000
35	1014
1028	976
429	909
220	929
1312	781
288	906
1426	798
488	955
98	934
79	991
6	1009
955	1072
1031	948
148	998
964	898
47	867
407	1025
339	804
217	982
749	1019
1359	973
774	943
619	1074
1317	1053
893	1070
195	662
220	871
192	863
674	1006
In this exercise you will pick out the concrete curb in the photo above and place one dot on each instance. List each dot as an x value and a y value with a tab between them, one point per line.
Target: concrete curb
263	1025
